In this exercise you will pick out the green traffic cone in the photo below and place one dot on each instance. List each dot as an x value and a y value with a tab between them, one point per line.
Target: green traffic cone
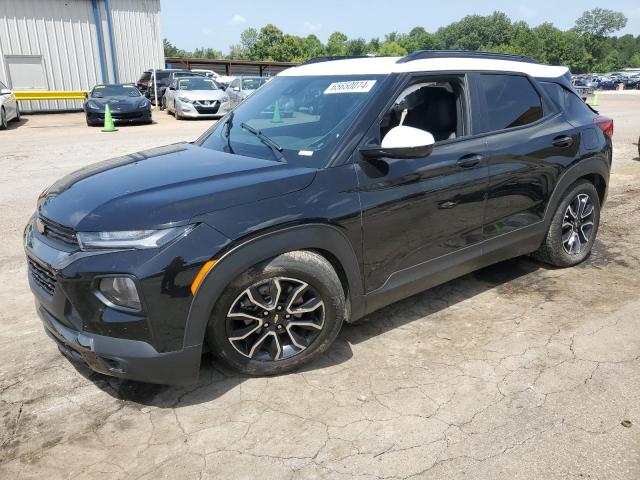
108	120
594	101
276	114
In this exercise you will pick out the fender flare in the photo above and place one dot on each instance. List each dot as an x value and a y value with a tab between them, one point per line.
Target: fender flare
260	248
589	166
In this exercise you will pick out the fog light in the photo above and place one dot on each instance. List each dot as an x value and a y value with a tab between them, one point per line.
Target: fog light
120	291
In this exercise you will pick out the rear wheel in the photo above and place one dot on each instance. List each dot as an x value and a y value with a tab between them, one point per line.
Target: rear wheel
574	227
3	119
17	119
278	315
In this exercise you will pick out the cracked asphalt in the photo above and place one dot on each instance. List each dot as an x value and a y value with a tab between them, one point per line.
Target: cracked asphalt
517	371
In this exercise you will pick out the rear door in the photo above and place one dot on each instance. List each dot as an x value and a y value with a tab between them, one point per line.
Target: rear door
529	144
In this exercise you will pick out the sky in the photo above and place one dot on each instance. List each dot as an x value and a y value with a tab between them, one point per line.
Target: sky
190	24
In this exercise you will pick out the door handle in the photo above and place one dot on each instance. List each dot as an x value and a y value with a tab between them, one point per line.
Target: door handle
562	141
469	161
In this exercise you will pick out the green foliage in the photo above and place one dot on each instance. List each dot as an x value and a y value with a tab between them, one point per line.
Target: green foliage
588	47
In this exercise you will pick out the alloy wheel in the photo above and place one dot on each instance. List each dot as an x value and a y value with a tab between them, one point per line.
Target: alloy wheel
275	319
578	224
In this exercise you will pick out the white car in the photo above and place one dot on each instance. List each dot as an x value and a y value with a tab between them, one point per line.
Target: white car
8	107
220	79
194	97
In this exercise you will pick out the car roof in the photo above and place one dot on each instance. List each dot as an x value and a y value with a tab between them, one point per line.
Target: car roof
388	65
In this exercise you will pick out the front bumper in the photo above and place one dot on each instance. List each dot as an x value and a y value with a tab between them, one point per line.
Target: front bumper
189	110
142	116
118	357
148	345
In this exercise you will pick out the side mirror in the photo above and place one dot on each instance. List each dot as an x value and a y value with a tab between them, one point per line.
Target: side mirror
5	91
402	142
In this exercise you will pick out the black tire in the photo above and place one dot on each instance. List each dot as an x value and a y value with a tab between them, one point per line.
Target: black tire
17	119
3	119
163	104
553	250
323	283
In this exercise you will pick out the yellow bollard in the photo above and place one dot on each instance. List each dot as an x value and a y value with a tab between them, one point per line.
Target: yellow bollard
594	101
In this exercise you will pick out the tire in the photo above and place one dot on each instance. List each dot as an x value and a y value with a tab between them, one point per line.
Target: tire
3	119
570	237
17	119
276	343
163	104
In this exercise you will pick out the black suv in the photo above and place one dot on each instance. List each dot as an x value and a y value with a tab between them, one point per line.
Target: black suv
337	188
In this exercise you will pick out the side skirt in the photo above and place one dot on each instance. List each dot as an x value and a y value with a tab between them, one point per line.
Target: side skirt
412	280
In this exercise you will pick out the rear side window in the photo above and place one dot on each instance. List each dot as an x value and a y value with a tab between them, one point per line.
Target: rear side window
511	101
566	100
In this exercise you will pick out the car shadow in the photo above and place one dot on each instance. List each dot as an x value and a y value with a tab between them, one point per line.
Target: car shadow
12	125
215	379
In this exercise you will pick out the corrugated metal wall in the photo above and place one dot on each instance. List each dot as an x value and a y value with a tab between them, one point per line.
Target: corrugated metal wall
137	37
64	33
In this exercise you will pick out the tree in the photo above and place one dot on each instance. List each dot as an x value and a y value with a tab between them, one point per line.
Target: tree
336	45
356	47
600	22
475	31
267	39
206	53
248	40
170	50
417	39
564	48
392	49
291	49
313	47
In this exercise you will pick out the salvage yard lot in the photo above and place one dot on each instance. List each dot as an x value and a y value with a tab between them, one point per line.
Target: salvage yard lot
515	371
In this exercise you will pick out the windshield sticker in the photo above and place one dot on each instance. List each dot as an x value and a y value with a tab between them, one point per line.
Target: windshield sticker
305	153
354	86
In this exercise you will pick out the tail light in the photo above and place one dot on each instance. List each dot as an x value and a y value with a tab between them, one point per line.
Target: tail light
605	124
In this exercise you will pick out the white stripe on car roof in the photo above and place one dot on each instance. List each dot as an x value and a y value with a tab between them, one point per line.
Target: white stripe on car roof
386	65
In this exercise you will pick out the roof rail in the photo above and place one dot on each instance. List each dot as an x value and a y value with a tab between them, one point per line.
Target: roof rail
337	57
424	54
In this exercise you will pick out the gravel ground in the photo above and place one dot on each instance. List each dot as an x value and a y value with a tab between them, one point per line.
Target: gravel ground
517	371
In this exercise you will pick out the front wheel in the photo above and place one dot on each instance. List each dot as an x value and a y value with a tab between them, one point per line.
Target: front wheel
278	315
573	228
3	119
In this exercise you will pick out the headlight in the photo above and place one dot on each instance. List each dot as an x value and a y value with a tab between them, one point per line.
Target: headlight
184	99
138	239
144	103
93	105
119	292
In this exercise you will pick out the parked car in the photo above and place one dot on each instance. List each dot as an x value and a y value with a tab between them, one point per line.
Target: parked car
240	88
146	79
125	101
222	80
194	97
9	109
260	239
163	79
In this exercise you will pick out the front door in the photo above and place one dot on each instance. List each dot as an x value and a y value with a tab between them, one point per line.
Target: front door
417	210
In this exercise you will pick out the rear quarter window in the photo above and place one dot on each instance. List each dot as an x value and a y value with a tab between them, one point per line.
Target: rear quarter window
566	100
511	101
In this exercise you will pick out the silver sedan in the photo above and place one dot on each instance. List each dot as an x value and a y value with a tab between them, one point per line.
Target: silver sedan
194	97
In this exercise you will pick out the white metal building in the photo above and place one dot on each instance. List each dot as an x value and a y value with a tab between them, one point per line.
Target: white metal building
70	45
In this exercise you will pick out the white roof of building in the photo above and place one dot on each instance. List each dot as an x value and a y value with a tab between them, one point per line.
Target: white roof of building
386	65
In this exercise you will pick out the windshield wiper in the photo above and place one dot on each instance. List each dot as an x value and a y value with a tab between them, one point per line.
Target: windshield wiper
275	148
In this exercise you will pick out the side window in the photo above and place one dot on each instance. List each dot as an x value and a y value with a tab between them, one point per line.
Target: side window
2	86
567	100
511	101
436	106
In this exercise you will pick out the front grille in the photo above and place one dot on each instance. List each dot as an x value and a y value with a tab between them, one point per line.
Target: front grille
204	106
58	232
126	115
43	276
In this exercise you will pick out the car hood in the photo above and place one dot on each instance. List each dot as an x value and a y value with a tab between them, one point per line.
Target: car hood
119	103
202	94
164	186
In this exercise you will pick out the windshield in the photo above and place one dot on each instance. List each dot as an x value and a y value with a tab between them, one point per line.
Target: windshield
305	116
196	83
252	83
102	91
